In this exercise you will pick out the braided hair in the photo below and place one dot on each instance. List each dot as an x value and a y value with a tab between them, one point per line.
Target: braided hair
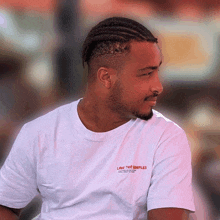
111	37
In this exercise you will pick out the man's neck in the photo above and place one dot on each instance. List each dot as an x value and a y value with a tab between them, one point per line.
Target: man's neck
97	117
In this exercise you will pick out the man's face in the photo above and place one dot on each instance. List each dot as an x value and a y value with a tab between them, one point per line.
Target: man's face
137	87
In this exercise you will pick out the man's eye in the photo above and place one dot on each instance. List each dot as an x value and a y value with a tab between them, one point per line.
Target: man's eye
147	74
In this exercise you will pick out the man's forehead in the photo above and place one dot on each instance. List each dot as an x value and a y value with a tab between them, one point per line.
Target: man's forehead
145	51
143	45
150	67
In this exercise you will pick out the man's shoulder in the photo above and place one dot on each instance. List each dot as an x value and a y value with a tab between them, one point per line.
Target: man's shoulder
51	118
160	120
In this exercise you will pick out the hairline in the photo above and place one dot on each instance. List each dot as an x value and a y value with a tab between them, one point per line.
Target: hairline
128	43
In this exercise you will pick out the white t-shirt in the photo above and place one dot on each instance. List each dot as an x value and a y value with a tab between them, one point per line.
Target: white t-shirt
85	175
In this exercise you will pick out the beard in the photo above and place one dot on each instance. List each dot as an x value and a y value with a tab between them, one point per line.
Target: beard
116	104
145	117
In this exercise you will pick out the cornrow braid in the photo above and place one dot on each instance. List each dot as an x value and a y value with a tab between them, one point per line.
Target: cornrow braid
111	36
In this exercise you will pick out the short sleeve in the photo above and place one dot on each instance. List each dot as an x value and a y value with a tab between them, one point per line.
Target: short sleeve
171	182
17	175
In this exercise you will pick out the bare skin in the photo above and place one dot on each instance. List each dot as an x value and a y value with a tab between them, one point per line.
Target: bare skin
9	213
168	214
113	97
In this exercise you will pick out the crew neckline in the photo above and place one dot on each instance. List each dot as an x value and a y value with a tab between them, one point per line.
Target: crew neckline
98	136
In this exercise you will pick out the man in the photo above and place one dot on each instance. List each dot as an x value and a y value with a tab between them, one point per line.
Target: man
107	155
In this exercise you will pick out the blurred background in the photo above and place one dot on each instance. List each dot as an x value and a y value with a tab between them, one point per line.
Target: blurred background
40	69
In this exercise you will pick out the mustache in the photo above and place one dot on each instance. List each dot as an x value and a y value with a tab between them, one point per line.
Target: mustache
155	94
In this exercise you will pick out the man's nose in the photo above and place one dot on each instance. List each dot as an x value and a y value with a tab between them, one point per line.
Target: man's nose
156	86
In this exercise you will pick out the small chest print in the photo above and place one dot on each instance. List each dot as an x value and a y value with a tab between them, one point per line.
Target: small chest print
130	169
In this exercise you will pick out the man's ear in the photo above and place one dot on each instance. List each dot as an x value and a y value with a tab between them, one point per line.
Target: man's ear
106	76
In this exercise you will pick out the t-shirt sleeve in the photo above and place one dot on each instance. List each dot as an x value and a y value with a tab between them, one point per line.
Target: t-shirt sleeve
171	182
17	175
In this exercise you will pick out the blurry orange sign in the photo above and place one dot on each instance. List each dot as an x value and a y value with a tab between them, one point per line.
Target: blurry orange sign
189	50
37	5
180	50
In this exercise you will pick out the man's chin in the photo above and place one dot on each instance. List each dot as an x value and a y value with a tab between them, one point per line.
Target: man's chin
145	117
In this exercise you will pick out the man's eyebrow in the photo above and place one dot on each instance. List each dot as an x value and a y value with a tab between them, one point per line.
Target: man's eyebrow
150	67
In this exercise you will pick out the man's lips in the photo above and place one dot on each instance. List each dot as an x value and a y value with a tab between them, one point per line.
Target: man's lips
151	100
